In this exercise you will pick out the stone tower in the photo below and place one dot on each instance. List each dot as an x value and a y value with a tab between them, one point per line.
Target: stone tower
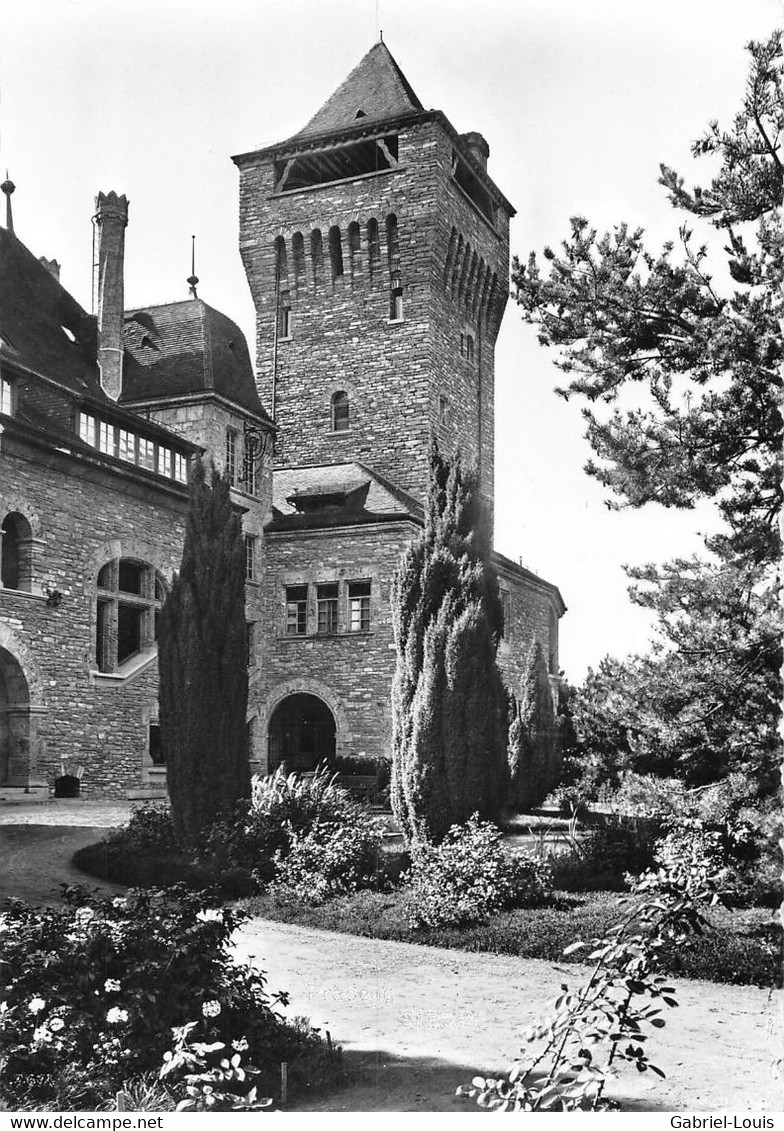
377	251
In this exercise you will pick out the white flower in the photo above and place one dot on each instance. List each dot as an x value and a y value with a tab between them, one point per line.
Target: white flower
4	924
42	1035
36	1005
111	986
116	1015
211	1008
84	915
210	915
119	902
240	1046
56	1024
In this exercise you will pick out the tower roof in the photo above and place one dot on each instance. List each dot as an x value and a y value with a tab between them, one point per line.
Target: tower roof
375	90
186	347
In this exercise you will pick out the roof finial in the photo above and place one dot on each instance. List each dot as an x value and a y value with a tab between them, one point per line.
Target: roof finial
8	187
194	278
381	35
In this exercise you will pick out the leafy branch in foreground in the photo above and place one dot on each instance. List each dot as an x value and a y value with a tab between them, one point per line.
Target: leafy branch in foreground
592	1029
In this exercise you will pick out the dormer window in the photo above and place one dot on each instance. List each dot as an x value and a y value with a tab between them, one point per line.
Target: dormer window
340	412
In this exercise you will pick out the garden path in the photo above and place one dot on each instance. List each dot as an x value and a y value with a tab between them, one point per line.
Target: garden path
417	1021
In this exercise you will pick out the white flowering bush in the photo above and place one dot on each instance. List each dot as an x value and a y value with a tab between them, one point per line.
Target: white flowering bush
211	1074
90	994
470	876
331	858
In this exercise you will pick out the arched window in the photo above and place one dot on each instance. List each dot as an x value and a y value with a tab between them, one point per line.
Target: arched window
340	420
373	245
316	255
355	261
336	252
281	261
129	598
16	552
298	252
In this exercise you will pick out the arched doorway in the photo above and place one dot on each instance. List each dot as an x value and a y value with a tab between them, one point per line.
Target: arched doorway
301	734
14	721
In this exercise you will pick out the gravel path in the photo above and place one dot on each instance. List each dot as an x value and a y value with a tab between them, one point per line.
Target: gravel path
417	1021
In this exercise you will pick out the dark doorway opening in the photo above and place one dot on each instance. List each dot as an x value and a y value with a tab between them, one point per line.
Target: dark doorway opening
301	734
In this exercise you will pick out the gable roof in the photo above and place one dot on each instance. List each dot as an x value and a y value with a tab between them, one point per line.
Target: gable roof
376	89
186	347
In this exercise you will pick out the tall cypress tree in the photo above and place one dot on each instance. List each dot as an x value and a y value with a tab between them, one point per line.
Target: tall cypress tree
202	662
534	756
449	729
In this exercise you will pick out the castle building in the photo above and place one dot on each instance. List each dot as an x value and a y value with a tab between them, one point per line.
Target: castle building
376	248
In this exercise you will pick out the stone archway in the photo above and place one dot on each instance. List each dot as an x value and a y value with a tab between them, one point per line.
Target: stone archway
15	722
301	733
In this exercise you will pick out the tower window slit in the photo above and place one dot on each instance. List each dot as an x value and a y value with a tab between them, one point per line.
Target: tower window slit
336	252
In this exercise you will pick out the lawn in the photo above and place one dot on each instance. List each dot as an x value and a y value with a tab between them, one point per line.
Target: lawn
738	947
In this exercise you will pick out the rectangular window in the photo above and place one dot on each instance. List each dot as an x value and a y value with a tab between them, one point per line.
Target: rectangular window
87	428
250	558
296	610
250	642
180	468
127	447
249	472
6	397
146	454
164	462
396	298
359	606
157	757
231	456
327	595
106	437
443	409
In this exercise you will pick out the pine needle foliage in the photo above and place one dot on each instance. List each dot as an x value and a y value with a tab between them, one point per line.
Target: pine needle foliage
203	664
448	701
534	760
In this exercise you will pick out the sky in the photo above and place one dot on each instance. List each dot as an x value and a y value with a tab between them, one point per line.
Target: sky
580	100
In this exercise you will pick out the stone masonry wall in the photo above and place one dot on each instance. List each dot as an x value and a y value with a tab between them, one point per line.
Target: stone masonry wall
82	516
453	267
351	672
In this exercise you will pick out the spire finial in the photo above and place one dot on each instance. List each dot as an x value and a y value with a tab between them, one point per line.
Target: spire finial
193	280
381	35
8	187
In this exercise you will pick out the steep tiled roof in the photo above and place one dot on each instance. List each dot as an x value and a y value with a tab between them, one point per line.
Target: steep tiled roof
42	328
335	495
377	87
186	347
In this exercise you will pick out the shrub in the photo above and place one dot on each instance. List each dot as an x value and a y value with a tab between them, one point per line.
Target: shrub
331	858
90	993
609	851
251	836
470	876
645	795
151	829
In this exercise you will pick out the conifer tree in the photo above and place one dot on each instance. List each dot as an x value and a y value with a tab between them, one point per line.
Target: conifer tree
203	664
533	747
448	700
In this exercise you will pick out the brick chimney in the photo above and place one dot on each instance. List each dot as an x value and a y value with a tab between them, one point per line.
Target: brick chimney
477	147
111	217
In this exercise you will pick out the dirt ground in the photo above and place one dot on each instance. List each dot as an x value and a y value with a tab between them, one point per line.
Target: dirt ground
417	1021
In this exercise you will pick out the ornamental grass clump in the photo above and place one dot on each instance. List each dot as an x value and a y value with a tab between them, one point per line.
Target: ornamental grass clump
90	993
471	876
282	806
